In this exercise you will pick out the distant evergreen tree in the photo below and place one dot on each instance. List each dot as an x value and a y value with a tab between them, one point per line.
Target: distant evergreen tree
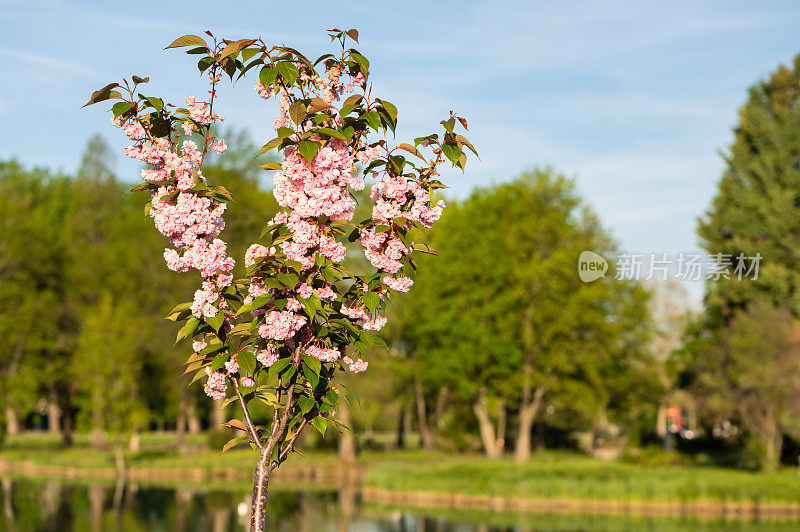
757	206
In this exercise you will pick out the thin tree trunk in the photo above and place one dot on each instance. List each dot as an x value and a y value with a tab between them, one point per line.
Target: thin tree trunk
8	499
488	436
258	514
193	421
400	442
772	440
501	425
68	420
217	415
441	403
97	434
12	422
180	422
135	443
347	440
527	414
428	441
53	412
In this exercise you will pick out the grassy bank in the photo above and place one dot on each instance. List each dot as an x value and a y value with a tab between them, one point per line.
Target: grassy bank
572	476
548	475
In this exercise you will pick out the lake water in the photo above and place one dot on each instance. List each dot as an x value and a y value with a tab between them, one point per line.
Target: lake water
29	505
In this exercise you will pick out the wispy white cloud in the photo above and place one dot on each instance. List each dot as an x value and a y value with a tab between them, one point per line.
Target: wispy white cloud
48	61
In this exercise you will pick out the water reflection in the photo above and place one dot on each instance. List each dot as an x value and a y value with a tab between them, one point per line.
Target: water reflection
61	506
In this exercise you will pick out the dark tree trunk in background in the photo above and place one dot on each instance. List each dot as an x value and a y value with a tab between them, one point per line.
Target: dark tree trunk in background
425	433
67	417
400	442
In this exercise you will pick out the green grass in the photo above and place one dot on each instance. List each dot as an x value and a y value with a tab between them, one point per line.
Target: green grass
568	475
549	474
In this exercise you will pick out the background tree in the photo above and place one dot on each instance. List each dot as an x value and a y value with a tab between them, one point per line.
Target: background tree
755	211
503	318
752	374
756	206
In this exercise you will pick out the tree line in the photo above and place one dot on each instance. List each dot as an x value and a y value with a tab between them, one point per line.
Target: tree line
499	348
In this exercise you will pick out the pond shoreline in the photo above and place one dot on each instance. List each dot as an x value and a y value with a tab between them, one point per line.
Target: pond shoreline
333	478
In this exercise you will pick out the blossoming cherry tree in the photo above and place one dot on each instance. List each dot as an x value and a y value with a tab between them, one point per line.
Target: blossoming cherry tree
282	333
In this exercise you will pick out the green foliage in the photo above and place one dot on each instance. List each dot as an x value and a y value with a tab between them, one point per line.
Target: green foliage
739	359
755	209
502	307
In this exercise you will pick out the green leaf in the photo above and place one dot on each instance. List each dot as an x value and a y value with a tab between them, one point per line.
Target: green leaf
187	329
204	63
233	442
289	280
308	149
373	119
271	166
267	76
178	309
390	108
346	110
120	108
211	349
269	145
288	72
321	424
279	366
219	361
247	362
361	60
216	321
372	300
141	186
452	152
157	103
187	40
306	404
312	377
248	53
315	365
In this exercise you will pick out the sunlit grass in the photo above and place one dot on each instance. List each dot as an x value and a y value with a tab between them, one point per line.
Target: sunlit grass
549	474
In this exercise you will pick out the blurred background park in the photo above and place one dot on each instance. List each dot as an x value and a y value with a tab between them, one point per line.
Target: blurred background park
516	394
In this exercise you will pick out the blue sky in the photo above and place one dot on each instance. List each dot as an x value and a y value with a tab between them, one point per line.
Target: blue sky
633	99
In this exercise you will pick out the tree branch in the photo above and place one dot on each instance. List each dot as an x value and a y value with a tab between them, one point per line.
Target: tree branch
285	452
251	428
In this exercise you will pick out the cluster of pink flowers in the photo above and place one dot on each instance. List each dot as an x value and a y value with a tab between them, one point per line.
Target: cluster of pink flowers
215	386
325	354
190	221
364	317
321	190
268	356
396	197
281	325
399	284
263	91
355	366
